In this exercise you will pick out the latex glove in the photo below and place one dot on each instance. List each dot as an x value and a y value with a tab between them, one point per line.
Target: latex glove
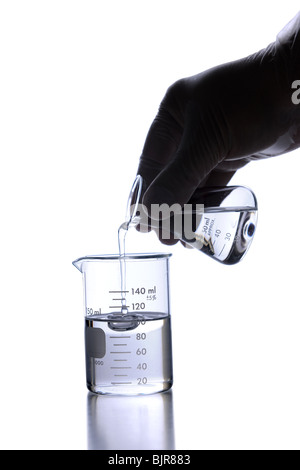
210	125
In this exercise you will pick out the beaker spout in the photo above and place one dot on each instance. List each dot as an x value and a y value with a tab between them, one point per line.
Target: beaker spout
78	263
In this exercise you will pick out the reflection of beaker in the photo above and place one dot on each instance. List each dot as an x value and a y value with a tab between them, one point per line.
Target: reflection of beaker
127	354
123	423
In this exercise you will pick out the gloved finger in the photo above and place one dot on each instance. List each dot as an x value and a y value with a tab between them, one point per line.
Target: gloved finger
199	152
163	228
164	135
214	179
218	178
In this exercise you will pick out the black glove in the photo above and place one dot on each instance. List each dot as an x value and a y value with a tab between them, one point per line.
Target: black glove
210	125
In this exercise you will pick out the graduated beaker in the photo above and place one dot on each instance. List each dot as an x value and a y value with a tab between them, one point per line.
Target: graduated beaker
220	222
127	353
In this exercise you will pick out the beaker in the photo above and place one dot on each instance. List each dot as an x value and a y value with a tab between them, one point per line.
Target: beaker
220	222
127	353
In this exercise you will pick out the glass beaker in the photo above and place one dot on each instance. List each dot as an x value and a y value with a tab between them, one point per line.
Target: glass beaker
127	353
220	222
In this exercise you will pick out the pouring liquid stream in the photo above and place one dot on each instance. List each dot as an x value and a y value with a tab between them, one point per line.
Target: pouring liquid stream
122	232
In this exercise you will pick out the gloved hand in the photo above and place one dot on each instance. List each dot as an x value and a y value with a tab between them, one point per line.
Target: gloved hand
210	125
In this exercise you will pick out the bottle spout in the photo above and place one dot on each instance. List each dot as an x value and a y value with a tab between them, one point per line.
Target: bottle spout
133	200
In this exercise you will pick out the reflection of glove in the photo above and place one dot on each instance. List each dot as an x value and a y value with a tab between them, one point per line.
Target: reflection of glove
214	123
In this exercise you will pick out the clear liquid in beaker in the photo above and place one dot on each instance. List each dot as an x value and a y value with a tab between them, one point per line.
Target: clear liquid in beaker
128	356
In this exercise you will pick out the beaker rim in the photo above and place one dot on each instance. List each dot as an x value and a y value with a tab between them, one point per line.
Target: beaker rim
117	257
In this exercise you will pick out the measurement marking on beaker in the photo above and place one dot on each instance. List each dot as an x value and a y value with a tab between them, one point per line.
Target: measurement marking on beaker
118	337
120	352
121	383
120	367
120	375
152	291
118	291
123	298
118	306
120	344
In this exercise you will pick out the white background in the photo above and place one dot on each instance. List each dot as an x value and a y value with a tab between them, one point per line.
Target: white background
80	84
